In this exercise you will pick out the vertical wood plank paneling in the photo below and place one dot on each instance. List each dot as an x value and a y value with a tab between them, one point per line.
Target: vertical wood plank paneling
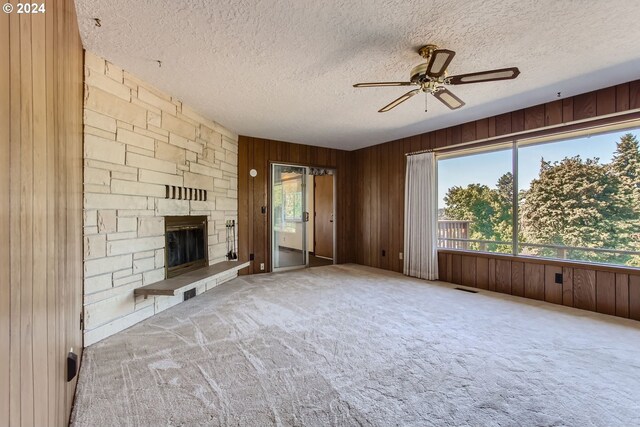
606	101
74	189
243	202
517	278
622	295
606	292
442	267
396	207
492	274
250	197
503	124
374	206
584	289
254	234
567	110
482	129
634	94
553	113
552	290
40	213
622	97
56	347
567	286
503	276
517	121
5	224
534	117
261	235
40	252
367	222
456	269
468	132
590	288
26	222
441	138
482	273
534	281
492	126
456	134
584	106
634	297
15	216
468	265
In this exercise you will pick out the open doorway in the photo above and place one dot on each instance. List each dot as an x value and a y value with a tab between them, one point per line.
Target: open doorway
302	217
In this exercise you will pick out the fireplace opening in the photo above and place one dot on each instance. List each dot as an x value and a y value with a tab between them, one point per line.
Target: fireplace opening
185	244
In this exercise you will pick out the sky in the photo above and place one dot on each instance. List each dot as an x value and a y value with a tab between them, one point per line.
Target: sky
486	168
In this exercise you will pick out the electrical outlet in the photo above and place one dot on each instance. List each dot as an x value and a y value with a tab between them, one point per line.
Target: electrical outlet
400	256
559	278
384	253
262	266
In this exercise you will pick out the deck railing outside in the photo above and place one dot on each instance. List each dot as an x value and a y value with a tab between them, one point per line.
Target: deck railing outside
454	234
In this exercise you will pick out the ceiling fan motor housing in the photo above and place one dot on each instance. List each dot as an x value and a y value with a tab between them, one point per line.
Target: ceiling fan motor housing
419	73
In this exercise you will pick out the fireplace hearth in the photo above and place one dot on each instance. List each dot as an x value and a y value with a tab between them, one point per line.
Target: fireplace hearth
185	244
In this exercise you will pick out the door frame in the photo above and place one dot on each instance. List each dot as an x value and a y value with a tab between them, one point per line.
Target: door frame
269	258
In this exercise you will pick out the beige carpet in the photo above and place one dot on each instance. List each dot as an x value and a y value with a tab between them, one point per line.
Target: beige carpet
350	345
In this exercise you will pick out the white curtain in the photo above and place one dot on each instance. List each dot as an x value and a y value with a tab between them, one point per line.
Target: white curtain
420	217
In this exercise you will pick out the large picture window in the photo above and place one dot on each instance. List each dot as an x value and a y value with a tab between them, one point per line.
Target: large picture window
577	198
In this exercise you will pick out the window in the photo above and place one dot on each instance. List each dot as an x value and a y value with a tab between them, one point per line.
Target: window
292	199
578	198
475	201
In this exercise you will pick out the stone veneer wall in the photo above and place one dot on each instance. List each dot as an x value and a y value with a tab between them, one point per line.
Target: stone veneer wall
138	139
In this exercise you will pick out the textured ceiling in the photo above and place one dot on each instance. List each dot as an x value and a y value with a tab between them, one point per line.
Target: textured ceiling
284	69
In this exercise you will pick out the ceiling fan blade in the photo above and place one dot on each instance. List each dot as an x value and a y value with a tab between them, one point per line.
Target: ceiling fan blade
383	84
398	101
449	99
439	61
484	76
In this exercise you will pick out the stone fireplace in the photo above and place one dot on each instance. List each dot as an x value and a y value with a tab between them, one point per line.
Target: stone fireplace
150	163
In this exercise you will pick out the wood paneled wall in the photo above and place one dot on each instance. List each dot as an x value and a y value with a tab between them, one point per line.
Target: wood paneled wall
603	289
379	170
254	235
40	212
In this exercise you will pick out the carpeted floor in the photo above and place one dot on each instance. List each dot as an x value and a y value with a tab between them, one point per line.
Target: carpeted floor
350	345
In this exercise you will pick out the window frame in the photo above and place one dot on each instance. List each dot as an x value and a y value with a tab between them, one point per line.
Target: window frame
514	144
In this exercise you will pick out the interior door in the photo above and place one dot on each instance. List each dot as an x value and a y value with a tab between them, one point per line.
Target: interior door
323	224
289	217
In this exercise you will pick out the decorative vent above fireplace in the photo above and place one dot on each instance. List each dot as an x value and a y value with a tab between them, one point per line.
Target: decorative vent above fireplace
184	193
185	244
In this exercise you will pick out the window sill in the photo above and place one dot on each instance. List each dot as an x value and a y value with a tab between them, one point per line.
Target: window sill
548	261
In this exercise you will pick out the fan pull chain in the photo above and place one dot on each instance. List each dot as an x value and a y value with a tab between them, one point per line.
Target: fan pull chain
426	98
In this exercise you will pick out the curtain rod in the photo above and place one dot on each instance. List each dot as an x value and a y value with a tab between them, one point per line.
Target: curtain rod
428	150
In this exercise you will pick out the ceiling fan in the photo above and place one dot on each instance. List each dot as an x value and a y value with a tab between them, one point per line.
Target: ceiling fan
431	77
